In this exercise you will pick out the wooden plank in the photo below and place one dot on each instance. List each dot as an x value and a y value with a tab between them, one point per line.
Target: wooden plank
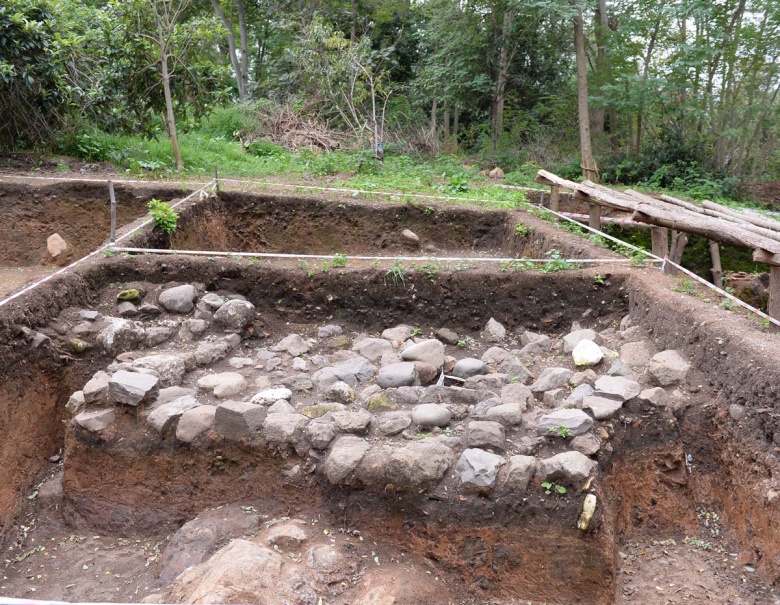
773	307
548	178
766	223
594	217
659	237
717	269
710	227
555	197
763	256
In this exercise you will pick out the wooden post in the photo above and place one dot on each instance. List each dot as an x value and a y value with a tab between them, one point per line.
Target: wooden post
773	307
216	179
112	236
679	239
659	237
555	197
594	218
717	270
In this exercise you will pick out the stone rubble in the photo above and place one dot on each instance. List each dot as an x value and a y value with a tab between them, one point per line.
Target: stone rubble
406	408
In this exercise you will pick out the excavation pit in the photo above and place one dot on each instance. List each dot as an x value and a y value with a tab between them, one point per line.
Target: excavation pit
696	465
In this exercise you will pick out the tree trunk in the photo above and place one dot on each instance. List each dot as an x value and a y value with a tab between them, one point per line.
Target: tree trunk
455	116
602	67
446	121
261	49
232	52
244	47
166	80
503	71
434	116
589	169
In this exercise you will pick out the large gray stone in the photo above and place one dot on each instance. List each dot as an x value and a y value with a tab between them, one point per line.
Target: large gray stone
479	411
486	433
495	355
396	375
428	415
490	382
617	387
119	335
373	348
97	388
95	420
392	423
517	393
637	353
576	421
619	368
179	299
419	463
656	396
515	475
587	444
170	368
344	457
579	393
195	422
602	408
551	378
237	420
478	469
516	370
398	334
294	344
437	394
133	388
285	428
447	336
429	351
494	331
320	432
508	414
329	331
350	421
667	368
75	403
162	418
224	385
355	370
468	367
324	378
235	315
566	467
572	339
340	392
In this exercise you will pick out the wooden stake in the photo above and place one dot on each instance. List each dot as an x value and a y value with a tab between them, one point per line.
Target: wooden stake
773	308
659	236
555	197
216	178
717	270
679	239
594	218
112	235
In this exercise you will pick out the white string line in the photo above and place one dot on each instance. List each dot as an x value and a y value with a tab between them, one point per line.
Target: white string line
445	259
666	260
83	180
34	285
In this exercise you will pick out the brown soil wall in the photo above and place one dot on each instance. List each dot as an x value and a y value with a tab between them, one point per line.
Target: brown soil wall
79	212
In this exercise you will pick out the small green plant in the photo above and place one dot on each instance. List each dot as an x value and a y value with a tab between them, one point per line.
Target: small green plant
459	183
416	332
107	253
423	435
339	260
163	216
522	230
599	279
560	431
727	304
396	274
549	488
428	210
557	263
430	268
685	285
466	341
303	264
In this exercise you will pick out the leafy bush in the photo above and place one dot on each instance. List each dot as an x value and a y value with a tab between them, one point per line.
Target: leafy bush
163	216
265	149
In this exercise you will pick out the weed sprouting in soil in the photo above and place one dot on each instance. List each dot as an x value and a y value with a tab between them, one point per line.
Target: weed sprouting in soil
163	216
396	274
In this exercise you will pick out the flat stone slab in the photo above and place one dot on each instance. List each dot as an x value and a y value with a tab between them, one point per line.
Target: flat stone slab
478	468
576	421
429	415
668	368
132	388
195	422
163	417
396	375
237	420
95	420
569	466
617	387
602	408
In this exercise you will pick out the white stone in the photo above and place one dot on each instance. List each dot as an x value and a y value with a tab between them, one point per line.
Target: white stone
587	354
272	395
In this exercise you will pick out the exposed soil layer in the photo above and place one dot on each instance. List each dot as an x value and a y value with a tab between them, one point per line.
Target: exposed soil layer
79	212
244	222
715	458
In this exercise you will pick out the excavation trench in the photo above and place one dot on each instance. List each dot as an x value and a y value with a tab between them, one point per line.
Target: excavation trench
661	469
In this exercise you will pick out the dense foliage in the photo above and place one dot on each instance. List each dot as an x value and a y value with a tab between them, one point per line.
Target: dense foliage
683	93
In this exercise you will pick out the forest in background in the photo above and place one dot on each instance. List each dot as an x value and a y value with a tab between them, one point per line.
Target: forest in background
682	94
